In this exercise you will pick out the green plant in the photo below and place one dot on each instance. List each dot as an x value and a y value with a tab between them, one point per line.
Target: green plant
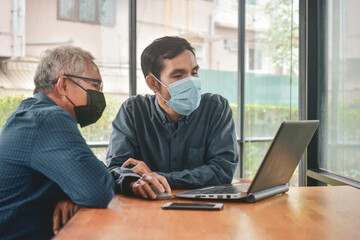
283	34
98	132
8	105
101	130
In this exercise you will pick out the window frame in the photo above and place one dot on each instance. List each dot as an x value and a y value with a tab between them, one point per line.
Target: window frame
310	76
313	18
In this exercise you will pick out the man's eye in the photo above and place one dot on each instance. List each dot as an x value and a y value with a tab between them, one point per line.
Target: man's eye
177	76
195	74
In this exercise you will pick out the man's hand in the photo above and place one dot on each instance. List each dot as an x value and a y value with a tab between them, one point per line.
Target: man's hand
140	167
63	211
142	188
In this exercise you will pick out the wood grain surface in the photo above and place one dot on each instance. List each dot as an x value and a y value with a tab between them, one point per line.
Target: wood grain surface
301	213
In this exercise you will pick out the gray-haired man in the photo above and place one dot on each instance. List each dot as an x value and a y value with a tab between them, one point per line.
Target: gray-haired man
44	158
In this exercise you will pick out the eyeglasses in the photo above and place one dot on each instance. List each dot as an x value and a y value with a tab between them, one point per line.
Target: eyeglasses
100	88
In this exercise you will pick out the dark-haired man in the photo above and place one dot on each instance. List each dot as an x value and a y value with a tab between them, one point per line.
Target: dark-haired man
178	133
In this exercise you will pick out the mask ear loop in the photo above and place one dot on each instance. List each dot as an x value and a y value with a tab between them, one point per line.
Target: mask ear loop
161	84
161	97
70	101
78	86
158	80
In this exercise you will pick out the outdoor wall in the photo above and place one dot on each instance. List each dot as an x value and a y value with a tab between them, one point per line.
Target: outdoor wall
44	30
12	28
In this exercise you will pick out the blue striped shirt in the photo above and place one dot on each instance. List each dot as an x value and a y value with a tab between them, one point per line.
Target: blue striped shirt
44	158
199	150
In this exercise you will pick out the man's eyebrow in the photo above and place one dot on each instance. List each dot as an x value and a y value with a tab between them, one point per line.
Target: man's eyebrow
178	70
181	70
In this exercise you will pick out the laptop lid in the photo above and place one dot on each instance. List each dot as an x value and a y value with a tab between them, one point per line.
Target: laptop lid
276	169
284	154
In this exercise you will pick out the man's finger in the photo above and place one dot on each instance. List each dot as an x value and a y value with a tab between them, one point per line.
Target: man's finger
64	216
56	221
72	212
142	191
157	185
76	208
149	191
148	179
165	183
139	170
130	161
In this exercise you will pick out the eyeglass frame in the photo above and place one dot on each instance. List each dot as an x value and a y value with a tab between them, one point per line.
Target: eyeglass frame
86	79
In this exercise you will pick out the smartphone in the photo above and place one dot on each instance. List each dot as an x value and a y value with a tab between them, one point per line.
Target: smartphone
192	206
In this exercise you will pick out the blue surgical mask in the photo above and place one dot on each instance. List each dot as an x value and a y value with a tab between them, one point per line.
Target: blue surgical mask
185	95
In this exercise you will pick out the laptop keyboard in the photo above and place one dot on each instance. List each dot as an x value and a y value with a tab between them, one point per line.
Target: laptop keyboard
242	187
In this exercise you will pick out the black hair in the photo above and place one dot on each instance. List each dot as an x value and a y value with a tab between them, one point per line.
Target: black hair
162	48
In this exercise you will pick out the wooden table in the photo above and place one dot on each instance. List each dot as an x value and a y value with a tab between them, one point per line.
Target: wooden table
302	213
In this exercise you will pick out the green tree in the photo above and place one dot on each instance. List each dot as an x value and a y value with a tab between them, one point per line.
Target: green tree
283	34
98	132
8	105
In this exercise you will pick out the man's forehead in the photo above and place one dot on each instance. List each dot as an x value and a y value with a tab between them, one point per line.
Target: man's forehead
183	62
92	68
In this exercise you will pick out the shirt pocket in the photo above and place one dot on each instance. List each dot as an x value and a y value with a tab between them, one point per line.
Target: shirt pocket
196	157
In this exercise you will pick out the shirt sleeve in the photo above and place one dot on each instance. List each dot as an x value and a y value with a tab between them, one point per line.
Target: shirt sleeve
122	146
61	154
221	154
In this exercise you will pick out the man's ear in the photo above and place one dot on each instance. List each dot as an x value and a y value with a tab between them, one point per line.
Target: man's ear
62	86
152	83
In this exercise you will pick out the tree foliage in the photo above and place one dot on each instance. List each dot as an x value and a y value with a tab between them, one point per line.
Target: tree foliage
8	105
283	34
98	132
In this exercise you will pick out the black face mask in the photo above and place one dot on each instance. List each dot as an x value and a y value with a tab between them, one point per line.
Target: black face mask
92	111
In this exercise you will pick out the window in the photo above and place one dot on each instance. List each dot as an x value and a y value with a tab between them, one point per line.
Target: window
88	11
214	38
231	45
41	29
271	41
334	83
270	87
342	146
271	83
254	59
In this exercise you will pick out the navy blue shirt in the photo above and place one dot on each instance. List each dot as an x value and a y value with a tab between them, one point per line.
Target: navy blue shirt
44	158
199	150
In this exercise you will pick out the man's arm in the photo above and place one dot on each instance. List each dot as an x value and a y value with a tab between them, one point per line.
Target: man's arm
221	154
61	153
221	150
122	146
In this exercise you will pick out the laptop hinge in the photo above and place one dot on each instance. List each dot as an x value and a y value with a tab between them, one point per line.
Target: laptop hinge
269	192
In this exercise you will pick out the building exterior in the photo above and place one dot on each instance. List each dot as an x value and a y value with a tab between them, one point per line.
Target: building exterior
29	27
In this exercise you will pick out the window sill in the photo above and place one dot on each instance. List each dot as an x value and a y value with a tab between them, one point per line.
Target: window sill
331	178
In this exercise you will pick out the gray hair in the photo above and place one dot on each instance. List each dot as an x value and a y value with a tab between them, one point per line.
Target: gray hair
59	61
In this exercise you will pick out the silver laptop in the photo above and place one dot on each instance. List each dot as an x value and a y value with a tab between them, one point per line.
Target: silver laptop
275	171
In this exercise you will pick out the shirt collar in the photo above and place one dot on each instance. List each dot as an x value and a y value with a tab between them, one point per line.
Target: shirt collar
164	117
43	97
159	110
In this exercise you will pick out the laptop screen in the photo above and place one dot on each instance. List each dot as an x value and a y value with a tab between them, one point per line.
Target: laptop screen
284	154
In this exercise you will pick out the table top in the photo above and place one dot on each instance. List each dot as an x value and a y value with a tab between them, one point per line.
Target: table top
301	213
